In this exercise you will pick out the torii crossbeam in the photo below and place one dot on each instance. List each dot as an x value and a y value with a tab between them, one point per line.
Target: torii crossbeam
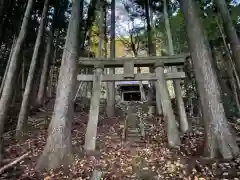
128	64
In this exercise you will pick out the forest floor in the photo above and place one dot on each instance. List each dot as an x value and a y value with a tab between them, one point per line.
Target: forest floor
134	159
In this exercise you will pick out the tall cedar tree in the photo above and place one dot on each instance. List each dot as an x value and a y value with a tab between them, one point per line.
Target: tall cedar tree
111	85
230	32
46	61
218	135
58	149
12	71
23	115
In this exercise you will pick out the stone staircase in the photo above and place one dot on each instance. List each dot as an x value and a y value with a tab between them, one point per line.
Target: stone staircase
134	127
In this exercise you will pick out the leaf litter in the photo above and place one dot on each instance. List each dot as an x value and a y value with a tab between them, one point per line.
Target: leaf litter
144	159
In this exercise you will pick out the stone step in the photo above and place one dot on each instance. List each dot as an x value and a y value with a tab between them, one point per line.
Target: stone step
131	133
134	135
136	145
132	130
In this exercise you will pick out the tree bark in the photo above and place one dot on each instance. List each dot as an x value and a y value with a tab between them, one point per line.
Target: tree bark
100	15
90	17
105	48
45	71
91	133
232	66
218	135
51	74
35	85
23	115
13	67
23	73
58	149
8	64
230	32
150	32
111	85
52	67
18	87
46	62
177	87
226	94
78	90
152	52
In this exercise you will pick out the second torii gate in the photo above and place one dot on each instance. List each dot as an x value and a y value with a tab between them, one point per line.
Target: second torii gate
162	95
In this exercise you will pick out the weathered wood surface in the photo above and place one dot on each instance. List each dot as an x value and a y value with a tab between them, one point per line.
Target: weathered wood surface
137	77
11	164
176	60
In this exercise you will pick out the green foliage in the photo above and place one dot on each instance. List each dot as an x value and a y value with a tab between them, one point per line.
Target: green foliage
208	17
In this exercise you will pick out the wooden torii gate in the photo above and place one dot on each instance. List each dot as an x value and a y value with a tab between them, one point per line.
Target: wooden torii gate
128	65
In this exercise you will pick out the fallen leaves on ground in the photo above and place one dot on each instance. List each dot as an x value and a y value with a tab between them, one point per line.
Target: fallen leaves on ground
133	159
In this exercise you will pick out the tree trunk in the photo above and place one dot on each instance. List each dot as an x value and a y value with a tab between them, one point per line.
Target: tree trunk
90	17
46	63
152	52
101	37
218	135
18	88
35	85
100	15
111	85
105	47
81	25
52	68
23	115
86	85
91	133
177	87
150	31
226	94
105	32
78	90
23	73
230	32
51	74
7	67
232	65
45	71
57	151
12	71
